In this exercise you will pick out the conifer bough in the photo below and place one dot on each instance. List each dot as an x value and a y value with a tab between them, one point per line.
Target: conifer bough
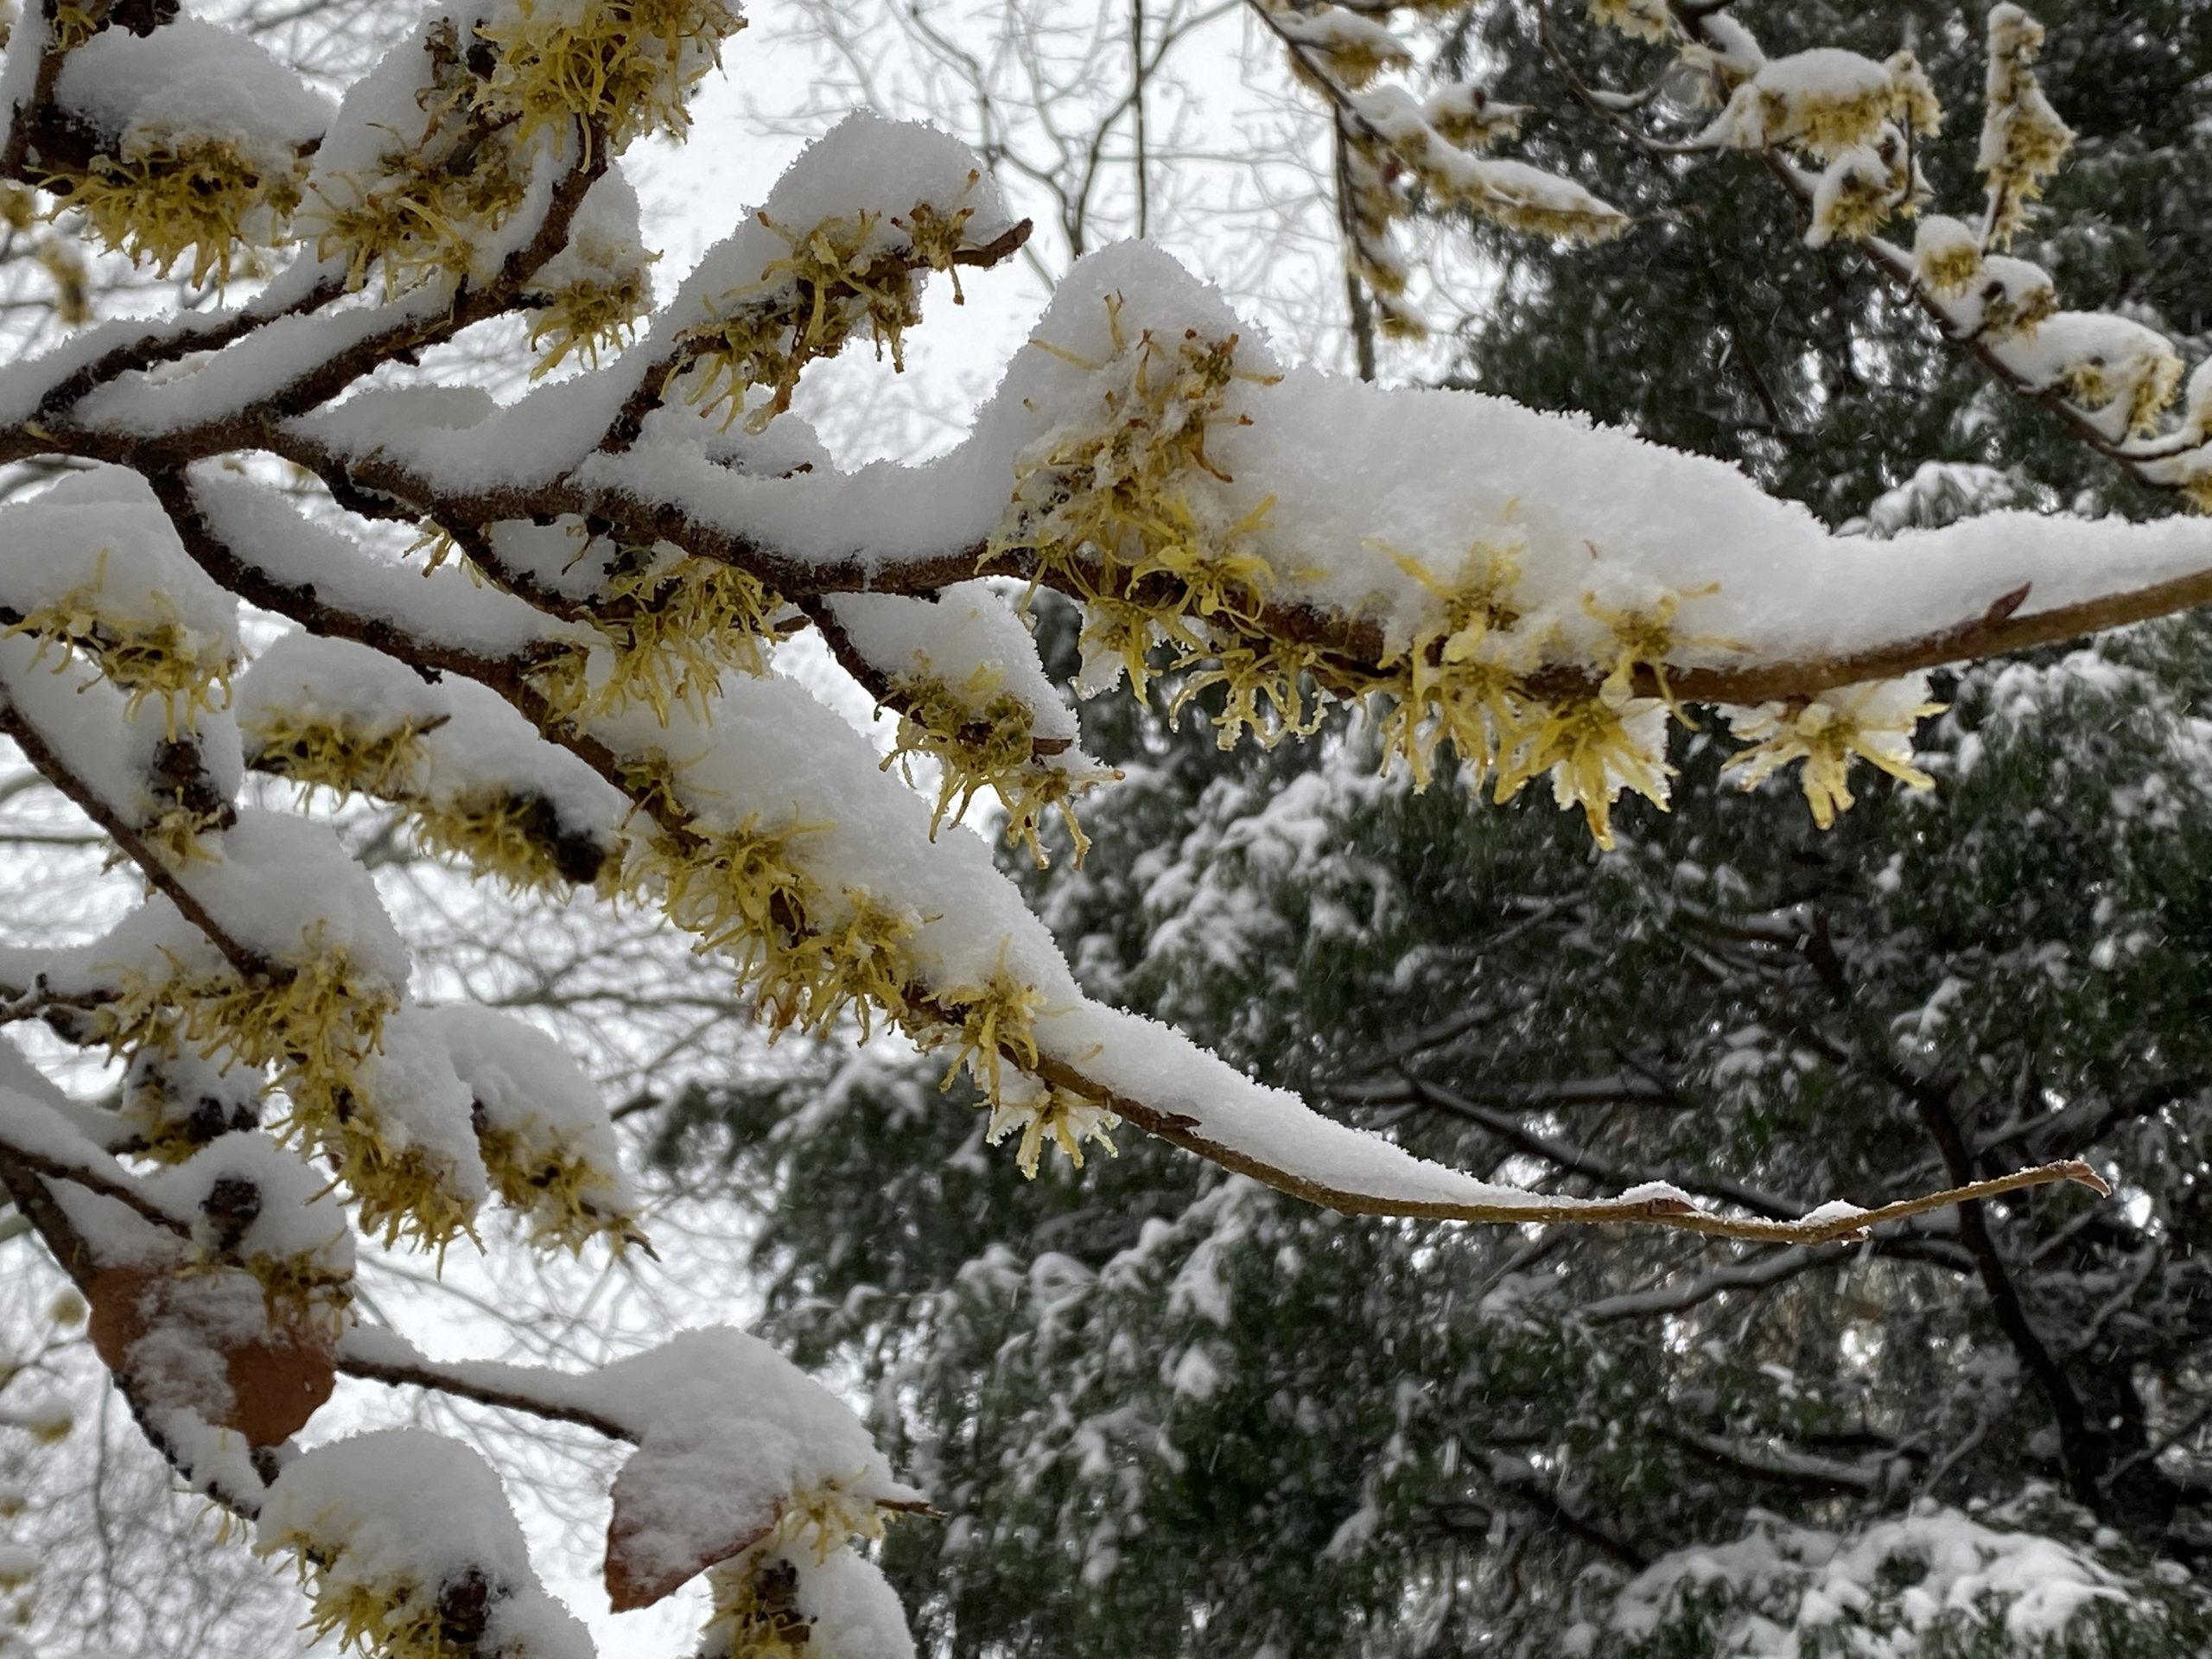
567	685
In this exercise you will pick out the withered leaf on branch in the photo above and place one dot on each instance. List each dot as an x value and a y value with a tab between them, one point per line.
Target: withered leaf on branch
209	1342
668	1527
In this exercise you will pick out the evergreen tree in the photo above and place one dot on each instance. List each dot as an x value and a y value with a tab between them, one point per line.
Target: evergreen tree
1712	327
1169	1412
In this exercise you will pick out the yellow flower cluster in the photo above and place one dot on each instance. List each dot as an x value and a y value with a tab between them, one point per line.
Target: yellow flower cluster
419	215
316	1022
316	1019
1468	678
1269	688
1107	508
627	66
399	1619
2142	380
365	1620
2017	311
143	658
997	1017
1352	56
1858	193
623	66
755	1596
1946	257
166	196
983	737
589	316
2023	140
1824	123
516	837
808	305
1642	20
177	832
421	210
401	1192
1044	1112
299	1290
1913	101
1829	103
808	957
666	630
1872	721
325	750
552	1186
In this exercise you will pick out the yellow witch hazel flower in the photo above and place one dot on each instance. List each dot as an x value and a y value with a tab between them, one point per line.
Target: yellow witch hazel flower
1274	674
1118	638
317	749
177	198
756	1611
983	736
976	732
668	626
996	1018
1460	678
1873	721
155	655
825	1518
1643	637
2023	140
515	838
1593	749
318	1022
1642	20
631	63
589	297
1822	102
1040	1111
839	274
1946	256
1109	503
860	960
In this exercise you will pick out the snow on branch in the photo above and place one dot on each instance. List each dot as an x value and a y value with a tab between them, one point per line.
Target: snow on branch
1842	133
571	687
744	1469
1389	143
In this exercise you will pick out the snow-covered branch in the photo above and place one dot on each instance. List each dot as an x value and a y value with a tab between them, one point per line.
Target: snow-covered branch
579	693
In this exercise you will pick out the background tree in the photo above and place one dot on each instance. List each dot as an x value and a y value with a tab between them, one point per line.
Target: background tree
1244	1427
